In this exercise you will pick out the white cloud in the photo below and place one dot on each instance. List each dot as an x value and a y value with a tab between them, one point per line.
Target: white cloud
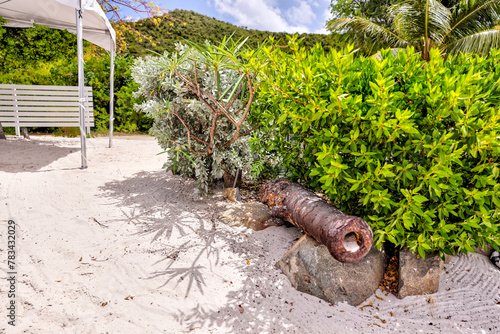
130	18
302	14
259	14
326	17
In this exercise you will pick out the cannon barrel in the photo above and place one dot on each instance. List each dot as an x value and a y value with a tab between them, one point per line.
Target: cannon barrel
348	238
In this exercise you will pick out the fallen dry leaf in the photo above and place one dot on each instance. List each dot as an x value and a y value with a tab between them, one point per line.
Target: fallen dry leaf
129	297
80	259
58	281
248	261
104	304
380	298
241	309
392	314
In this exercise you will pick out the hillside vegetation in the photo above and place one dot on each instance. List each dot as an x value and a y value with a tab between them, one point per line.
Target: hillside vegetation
44	56
183	24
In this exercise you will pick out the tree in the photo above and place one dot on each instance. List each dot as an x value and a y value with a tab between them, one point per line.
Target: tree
375	10
114	8
200	98
139	6
470	26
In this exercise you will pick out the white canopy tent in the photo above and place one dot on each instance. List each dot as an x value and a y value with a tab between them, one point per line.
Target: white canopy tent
86	19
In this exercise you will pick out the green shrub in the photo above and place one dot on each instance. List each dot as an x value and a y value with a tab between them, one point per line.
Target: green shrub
200	98
44	56
127	119
412	147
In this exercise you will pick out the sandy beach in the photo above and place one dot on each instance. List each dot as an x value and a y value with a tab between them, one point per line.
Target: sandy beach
124	247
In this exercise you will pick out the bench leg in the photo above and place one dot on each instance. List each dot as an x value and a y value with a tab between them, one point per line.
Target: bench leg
25	133
2	135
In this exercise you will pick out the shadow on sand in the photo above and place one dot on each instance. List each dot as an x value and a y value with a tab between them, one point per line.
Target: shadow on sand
163	207
20	155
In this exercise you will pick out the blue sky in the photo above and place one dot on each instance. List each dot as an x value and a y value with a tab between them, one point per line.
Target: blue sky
274	15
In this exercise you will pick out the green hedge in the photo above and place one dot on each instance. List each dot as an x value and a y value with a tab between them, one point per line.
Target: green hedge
412	147
44	56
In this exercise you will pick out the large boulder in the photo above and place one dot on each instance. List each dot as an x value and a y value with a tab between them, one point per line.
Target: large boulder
417	275
256	216
311	269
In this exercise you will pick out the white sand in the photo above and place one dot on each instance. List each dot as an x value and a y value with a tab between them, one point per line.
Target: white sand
186	271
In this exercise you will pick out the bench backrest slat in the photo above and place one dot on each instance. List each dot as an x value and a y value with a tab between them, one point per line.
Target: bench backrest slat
29	98
41	87
44	106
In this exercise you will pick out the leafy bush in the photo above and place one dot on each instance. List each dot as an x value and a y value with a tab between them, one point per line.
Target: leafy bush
200	98
127	119
44	56
412	147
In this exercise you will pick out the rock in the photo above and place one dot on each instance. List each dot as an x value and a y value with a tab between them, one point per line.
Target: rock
480	250
256	216
418	276
495	258
311	269
232	194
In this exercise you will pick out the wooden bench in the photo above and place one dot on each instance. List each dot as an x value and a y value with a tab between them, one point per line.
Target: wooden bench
43	106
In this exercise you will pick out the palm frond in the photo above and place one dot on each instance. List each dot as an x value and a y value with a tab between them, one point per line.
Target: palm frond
472	17
480	42
394	51
417	19
361	30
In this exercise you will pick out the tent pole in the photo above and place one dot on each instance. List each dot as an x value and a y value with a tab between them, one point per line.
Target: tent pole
79	43
111	96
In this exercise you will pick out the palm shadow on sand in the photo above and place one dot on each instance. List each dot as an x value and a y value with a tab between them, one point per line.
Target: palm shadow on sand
160	203
163	207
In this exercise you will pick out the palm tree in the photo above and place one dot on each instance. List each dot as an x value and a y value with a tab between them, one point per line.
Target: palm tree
471	26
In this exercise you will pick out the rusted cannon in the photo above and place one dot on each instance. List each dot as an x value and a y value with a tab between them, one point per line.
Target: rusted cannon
348	238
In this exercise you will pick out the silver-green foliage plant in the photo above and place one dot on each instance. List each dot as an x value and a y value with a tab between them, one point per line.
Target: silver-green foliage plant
200	98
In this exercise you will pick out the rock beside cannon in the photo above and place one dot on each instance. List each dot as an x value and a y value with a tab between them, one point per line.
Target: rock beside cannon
310	269
347	238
